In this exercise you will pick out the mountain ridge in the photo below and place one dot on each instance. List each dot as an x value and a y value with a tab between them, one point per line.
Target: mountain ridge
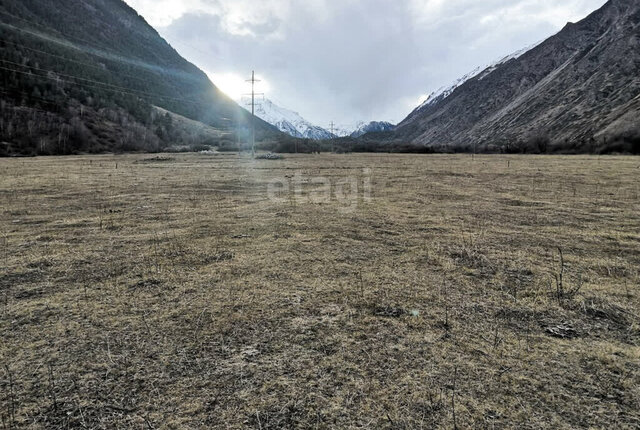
574	91
480	72
293	124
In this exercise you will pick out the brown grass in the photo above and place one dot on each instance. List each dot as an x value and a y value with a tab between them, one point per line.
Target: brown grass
169	292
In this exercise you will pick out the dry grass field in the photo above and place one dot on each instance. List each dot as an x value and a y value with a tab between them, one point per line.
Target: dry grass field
174	291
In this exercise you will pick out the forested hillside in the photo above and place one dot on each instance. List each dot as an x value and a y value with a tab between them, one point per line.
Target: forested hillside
85	76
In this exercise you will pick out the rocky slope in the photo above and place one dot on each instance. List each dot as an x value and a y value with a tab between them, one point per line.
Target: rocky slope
444	92
578	90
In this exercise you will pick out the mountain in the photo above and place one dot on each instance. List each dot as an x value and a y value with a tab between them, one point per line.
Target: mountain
577	91
346	130
288	121
372	127
444	92
90	75
360	128
293	124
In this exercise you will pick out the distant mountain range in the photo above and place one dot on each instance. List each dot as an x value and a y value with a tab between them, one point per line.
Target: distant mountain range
293	124
287	121
360	128
345	130
577	91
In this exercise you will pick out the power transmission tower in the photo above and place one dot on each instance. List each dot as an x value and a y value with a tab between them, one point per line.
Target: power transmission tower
253	81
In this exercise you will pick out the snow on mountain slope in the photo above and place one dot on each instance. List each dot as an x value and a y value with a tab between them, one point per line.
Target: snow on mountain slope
372	127
346	130
287	121
360	128
483	71
294	124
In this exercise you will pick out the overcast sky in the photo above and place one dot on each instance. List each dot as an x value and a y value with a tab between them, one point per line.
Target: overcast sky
350	60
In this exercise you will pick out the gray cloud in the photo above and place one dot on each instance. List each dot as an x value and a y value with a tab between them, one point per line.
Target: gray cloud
356	59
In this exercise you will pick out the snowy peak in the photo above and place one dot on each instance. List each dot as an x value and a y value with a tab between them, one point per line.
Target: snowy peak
287	121
372	127
345	130
295	125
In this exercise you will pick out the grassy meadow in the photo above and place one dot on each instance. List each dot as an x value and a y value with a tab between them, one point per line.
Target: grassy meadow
184	291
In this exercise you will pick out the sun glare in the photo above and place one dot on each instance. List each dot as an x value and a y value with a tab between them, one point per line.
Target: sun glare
235	85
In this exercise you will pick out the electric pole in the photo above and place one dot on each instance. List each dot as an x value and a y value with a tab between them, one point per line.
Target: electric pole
332	125
253	81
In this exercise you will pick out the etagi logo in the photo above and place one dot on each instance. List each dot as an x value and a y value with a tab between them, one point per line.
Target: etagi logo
348	191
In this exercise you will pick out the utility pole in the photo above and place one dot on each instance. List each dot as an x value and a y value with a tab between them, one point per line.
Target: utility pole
332	125
253	81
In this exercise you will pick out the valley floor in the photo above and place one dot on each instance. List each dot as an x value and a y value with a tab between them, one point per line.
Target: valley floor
194	291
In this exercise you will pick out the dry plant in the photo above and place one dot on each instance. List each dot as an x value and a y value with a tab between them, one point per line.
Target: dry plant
171	292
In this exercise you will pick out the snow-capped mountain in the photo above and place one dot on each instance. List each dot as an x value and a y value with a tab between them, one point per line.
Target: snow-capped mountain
345	130
294	124
360	128
483	71
372	127
288	121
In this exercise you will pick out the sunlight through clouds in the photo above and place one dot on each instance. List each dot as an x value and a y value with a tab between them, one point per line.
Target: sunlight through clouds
236	86
353	60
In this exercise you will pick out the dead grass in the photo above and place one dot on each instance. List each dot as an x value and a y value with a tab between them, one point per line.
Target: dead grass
175	294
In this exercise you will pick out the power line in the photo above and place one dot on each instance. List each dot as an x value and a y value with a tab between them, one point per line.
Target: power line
115	90
85	79
46	112
70	60
18	17
125	90
38	26
69	76
99	51
91	50
16	106
91	83
29	96
94	84
33	75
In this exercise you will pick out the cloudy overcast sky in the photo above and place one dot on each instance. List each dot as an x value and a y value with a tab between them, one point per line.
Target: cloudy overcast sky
350	60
